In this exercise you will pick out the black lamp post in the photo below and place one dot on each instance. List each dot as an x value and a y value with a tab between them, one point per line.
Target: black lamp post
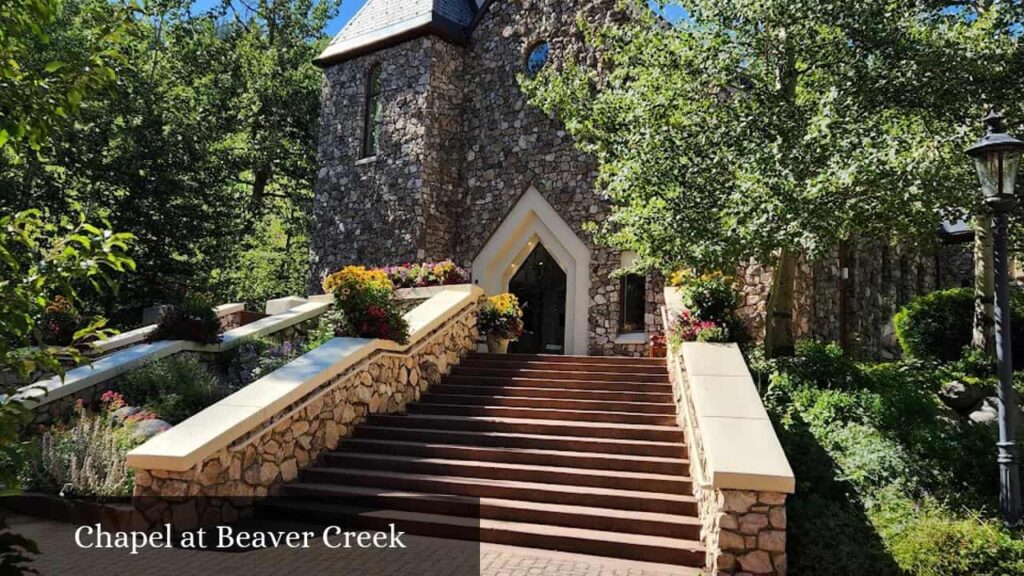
997	158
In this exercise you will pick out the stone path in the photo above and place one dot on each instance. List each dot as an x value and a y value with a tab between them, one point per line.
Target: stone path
422	557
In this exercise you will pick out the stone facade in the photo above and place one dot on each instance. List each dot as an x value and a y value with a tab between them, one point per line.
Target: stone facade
856	308
224	486
744	532
459	146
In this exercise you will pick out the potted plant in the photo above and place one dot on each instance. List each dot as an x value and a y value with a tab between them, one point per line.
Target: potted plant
501	320
659	345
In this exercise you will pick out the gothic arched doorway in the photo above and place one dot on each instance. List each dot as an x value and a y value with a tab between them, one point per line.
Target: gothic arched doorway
540	285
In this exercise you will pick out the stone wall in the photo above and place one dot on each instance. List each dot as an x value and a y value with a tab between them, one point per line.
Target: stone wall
857	309
224	486
370	211
459	146
744	532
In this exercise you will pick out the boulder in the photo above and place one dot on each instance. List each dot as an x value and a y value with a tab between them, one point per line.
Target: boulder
986	412
962	397
148	428
123	413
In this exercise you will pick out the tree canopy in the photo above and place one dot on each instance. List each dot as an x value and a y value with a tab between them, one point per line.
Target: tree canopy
204	147
758	126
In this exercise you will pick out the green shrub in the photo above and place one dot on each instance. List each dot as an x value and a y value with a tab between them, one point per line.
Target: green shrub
936	325
193	320
819	365
888	483
926	539
939	325
174	388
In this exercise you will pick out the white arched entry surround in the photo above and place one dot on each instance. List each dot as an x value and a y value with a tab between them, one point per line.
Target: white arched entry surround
530	221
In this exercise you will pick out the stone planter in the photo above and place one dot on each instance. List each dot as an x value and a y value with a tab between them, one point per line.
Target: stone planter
496	345
116	515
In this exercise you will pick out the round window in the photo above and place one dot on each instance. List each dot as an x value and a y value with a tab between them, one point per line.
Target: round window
537	58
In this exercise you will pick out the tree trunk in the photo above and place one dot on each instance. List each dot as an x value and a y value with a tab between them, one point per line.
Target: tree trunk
778	326
984	286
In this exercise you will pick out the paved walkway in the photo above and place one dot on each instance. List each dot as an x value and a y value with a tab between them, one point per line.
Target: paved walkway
422	557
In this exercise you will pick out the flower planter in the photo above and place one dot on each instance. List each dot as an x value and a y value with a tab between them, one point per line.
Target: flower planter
658	351
496	345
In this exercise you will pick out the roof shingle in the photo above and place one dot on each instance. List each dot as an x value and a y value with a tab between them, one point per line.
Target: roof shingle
379	21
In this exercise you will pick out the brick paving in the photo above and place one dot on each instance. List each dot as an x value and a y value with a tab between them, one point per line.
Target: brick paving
422	557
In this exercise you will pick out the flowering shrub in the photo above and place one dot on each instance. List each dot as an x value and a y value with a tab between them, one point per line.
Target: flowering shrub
193	320
442	273
60	321
710	313
87	458
709	296
365	299
174	388
501	316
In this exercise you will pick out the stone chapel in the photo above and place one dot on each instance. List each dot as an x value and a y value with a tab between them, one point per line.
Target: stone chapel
429	150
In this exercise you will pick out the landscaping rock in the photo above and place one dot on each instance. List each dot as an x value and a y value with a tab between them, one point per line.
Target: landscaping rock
148	428
122	414
986	412
963	397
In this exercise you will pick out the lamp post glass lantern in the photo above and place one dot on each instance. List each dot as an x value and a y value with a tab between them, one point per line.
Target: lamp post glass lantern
997	159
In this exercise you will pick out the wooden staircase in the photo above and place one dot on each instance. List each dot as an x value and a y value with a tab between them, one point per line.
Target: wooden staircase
579	454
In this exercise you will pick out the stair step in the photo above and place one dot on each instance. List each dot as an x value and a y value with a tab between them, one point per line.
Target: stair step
590	360
567	373
531	426
514	440
630	546
663	408
594	496
541	391
427	407
598	385
606	519
651	464
661	369
619	480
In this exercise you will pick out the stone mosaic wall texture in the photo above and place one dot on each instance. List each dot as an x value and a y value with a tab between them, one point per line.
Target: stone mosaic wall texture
459	146
223	486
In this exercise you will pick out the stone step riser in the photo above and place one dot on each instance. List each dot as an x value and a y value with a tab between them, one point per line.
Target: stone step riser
570	445
641	501
541	414
573	367
481	453
580	406
565	374
581	385
552	393
665	555
600	360
596	478
555	428
509	512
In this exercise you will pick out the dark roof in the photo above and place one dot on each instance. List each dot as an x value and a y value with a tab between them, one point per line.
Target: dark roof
382	23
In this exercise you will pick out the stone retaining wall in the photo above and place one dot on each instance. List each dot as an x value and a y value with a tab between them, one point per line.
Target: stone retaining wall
223	486
744	532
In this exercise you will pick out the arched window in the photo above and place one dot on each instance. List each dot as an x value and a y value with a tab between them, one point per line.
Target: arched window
372	113
537	58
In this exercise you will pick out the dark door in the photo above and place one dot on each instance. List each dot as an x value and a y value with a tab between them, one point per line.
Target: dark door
540	286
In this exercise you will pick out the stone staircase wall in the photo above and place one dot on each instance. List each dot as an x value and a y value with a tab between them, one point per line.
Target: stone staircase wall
218	478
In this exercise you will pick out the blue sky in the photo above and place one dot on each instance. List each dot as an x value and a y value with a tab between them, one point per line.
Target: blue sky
350	7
